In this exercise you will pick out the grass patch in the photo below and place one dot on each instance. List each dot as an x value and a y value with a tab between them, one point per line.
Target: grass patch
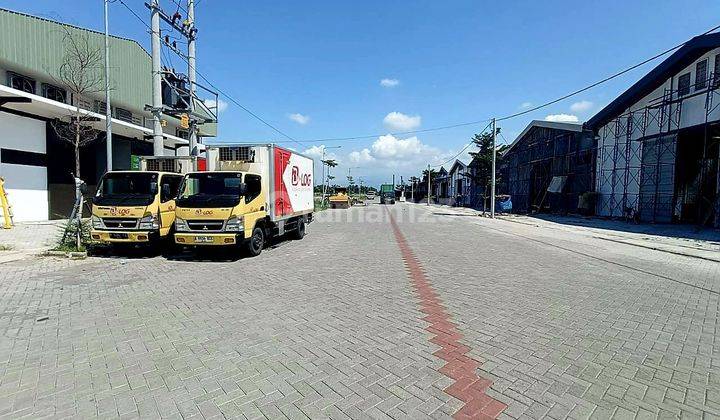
4	247
68	238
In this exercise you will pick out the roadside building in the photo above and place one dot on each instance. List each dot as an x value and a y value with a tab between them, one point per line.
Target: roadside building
657	154
459	184
440	186
36	164
543	152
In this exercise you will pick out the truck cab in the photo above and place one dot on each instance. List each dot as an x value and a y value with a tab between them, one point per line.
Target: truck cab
250	194
134	207
387	194
219	208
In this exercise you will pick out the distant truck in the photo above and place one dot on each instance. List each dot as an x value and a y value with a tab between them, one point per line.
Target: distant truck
138	207
249	194
387	194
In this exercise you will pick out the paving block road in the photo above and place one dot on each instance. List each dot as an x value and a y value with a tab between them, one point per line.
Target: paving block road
401	312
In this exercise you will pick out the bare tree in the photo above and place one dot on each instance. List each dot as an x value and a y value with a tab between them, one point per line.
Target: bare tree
80	73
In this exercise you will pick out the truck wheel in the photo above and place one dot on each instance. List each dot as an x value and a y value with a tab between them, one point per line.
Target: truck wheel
256	243
299	232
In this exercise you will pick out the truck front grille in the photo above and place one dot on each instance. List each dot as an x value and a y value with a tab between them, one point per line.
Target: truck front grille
120	223
206	225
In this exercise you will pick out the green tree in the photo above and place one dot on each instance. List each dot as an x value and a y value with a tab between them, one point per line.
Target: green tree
481	164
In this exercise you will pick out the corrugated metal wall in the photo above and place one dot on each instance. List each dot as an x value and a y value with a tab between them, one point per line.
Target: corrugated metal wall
36	45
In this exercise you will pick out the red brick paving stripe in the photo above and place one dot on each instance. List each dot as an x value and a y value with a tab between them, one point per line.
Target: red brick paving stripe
468	386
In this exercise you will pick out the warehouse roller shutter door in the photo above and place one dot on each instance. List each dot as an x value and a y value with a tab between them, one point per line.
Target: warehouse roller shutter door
23	165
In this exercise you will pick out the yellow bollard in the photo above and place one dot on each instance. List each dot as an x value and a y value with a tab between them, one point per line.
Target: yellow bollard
7	215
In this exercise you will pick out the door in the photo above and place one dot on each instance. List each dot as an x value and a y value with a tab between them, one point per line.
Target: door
169	185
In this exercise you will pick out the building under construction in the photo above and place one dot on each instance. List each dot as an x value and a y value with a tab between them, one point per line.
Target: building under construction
657	143
548	167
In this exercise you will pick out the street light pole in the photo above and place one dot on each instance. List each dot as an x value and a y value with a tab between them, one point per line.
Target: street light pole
428	192
492	179
322	162
108	111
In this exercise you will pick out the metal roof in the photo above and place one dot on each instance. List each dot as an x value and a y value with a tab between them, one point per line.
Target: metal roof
35	47
574	127
680	59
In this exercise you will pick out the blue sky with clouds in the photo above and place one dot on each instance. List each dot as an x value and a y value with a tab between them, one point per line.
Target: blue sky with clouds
324	69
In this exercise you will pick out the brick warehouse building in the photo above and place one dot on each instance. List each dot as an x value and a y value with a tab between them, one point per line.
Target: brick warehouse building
35	164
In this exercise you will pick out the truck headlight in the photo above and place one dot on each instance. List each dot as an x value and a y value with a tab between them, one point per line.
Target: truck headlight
97	222
149	221
234	224
181	225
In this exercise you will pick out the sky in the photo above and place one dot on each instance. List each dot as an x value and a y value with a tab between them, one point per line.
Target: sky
327	69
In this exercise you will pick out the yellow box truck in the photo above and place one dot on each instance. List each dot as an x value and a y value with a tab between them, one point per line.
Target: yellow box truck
138	207
250	194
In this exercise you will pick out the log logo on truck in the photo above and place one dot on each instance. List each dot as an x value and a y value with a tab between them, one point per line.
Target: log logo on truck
304	180
114	211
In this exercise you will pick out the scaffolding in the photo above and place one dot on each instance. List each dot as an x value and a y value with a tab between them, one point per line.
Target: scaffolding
542	154
637	158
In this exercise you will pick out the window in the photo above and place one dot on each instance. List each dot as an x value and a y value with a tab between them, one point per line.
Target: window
183	134
21	157
254	187
123	115
170	186
100	107
684	84
20	82
53	92
701	75
716	72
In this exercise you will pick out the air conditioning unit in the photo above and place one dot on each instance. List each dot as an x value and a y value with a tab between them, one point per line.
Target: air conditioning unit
177	164
237	154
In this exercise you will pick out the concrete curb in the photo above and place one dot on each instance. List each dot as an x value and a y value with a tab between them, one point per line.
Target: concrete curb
655	248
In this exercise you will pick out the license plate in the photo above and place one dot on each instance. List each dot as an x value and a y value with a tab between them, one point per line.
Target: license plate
203	239
118	236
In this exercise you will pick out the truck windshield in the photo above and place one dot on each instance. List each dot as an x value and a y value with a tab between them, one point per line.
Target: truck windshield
126	189
210	189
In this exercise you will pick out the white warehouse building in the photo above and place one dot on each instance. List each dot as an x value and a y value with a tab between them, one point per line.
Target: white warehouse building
658	143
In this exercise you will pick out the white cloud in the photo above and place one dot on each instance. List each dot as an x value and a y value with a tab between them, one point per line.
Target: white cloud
525	105
389	83
221	105
299	118
317	152
581	106
361	157
561	118
389	151
398	121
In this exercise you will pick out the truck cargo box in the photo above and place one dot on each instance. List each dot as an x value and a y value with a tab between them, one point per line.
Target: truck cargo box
286	175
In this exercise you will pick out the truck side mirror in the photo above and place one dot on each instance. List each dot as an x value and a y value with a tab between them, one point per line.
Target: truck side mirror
242	189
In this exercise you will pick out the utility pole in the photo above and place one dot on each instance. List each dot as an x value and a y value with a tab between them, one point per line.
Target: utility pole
492	179
158	148
412	190
108	111
428	193
322	161
192	151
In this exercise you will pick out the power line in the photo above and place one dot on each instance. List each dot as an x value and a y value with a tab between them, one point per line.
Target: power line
517	114
599	82
397	133
445	127
463	149
226	95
